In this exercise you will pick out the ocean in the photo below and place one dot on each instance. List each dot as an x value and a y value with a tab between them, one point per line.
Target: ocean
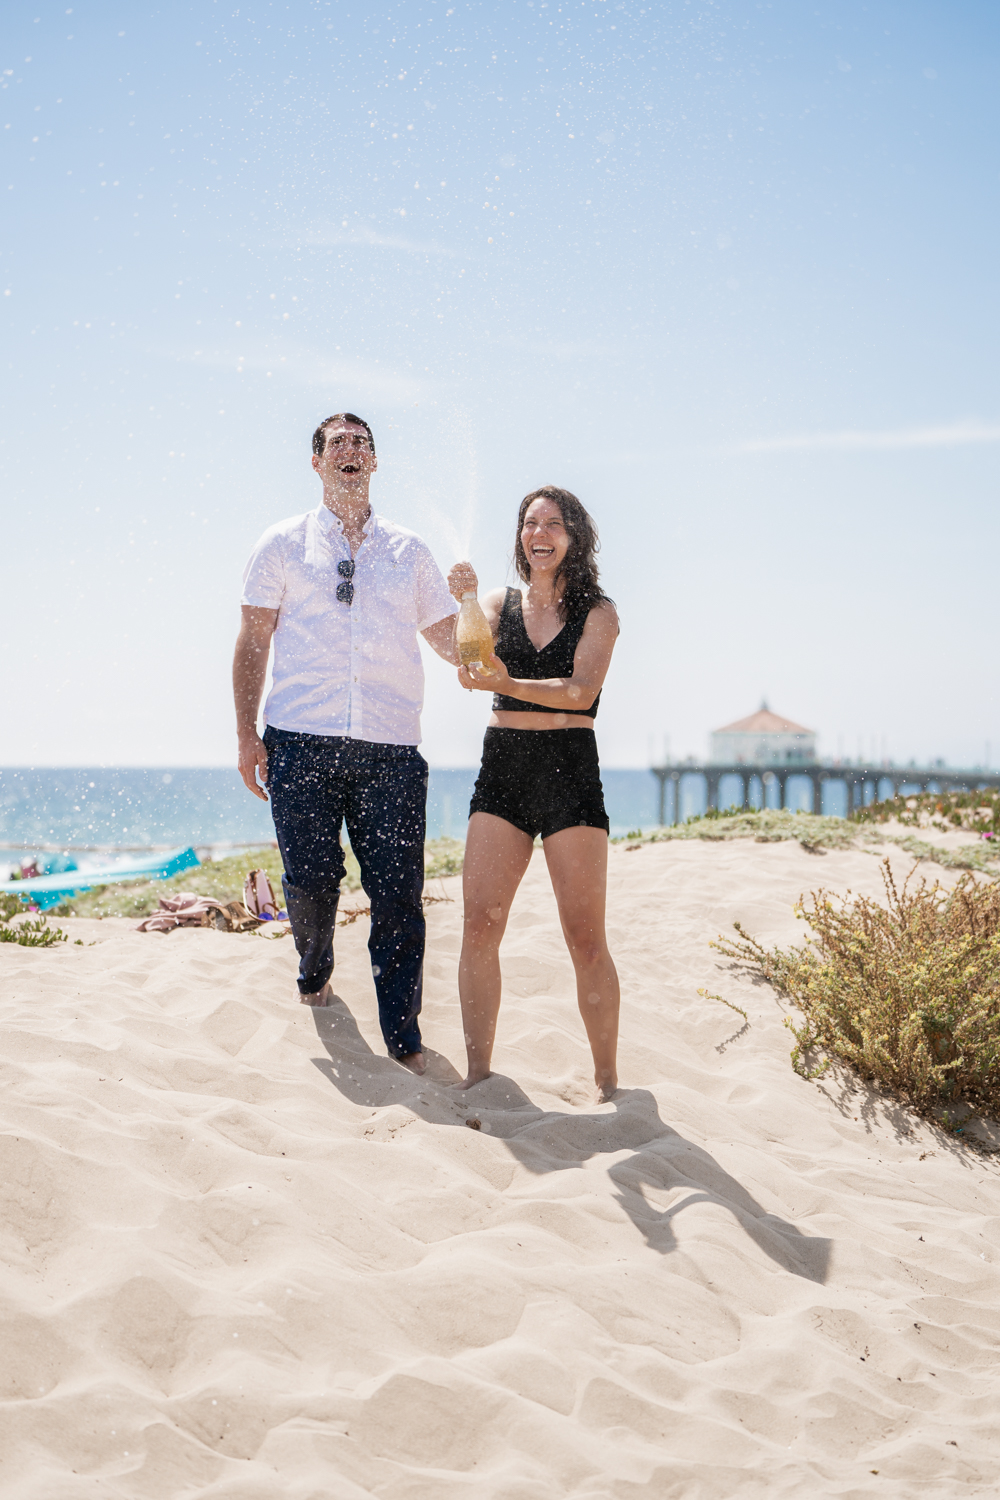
135	808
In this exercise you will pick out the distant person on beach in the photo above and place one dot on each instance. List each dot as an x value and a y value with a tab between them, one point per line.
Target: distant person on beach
540	773
342	593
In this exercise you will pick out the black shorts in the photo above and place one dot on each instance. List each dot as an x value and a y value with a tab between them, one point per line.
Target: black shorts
541	780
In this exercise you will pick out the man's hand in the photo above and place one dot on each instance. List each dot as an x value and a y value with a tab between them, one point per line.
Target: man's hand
253	763
462	579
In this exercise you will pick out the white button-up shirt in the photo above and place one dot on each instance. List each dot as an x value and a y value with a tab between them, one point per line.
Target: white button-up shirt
344	669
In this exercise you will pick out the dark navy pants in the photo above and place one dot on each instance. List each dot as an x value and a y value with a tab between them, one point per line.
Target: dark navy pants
317	783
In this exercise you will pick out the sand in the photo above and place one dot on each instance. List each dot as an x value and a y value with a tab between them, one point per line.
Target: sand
248	1256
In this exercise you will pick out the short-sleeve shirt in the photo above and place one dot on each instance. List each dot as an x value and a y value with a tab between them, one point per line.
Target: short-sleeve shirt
346	669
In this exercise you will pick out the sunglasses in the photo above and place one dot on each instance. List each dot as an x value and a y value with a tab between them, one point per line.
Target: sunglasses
345	590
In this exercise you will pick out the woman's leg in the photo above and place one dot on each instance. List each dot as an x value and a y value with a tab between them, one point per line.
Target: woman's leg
496	857
578	865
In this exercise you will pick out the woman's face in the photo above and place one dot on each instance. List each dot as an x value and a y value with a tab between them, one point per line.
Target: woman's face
544	537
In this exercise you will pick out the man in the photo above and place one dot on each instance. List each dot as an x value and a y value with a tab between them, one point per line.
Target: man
342	592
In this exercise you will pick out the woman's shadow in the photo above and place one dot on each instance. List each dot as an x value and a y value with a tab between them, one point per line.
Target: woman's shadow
550	1141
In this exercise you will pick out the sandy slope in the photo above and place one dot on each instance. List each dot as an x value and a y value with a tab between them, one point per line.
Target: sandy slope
248	1256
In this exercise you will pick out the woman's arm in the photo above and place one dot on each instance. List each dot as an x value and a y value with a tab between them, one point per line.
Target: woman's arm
590	667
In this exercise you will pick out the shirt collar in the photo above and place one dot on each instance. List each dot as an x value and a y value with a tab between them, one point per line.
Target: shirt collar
330	522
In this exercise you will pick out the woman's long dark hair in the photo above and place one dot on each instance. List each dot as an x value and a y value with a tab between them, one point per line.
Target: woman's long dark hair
581	588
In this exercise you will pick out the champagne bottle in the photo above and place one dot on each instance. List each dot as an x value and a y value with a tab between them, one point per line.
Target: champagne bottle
475	639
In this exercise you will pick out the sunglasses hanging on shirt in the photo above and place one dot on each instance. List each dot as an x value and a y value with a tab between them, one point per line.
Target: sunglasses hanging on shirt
345	590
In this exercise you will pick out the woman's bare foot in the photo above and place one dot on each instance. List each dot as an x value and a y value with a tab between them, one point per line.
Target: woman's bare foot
472	1079
321	997
607	1088
415	1061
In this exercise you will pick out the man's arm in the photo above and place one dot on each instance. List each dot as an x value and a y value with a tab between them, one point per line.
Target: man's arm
441	638
249	670
441	635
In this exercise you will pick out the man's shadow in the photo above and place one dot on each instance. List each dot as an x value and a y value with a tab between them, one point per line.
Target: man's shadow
550	1141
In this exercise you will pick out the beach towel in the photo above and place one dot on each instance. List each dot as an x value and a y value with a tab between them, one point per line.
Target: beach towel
189	910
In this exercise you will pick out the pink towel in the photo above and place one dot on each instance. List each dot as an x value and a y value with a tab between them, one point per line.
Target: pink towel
189	910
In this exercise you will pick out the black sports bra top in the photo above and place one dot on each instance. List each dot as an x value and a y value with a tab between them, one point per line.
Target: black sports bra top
522	660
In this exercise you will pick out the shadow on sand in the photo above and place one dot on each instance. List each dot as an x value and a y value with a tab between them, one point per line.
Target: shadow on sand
550	1141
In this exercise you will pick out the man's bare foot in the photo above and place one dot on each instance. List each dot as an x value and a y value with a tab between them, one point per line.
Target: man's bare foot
472	1079
321	997
414	1061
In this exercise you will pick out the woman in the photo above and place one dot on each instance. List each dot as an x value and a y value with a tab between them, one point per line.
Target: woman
540	772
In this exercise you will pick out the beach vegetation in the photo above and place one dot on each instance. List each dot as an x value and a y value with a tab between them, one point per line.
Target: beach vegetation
949	812
222	880
712	813
770	825
28	932
816	833
707	995
443	857
905	993
980	856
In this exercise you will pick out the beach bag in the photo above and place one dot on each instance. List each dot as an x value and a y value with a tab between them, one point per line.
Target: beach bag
258	896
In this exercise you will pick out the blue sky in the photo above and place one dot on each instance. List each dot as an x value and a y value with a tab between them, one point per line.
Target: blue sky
728	271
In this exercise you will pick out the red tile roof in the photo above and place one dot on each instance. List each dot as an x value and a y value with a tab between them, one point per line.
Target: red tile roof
764	722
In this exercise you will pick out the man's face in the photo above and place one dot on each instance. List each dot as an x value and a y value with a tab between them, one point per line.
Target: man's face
347	460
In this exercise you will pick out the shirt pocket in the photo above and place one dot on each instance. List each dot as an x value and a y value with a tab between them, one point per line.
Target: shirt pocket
396	596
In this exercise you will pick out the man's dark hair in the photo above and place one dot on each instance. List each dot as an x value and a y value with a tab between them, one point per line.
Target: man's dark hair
319	436
578	570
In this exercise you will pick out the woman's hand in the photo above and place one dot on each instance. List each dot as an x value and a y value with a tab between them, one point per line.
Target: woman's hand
462	580
499	682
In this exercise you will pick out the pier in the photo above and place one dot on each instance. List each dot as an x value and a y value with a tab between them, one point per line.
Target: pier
865	783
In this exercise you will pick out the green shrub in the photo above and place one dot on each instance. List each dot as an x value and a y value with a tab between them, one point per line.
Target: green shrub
768	826
31	932
443	857
907	993
10	906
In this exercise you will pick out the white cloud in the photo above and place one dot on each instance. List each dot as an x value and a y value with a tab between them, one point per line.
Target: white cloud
329	239
955	435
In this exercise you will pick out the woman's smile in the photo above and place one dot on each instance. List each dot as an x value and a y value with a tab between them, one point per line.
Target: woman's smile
543	535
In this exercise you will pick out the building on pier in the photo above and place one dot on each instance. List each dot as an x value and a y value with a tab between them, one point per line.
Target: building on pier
765	751
763	738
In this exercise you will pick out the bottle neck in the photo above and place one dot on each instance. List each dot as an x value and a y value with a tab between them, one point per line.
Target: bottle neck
471	594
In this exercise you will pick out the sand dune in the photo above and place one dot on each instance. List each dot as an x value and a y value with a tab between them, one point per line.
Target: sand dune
249	1256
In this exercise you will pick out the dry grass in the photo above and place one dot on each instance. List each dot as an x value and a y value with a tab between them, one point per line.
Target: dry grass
907	994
